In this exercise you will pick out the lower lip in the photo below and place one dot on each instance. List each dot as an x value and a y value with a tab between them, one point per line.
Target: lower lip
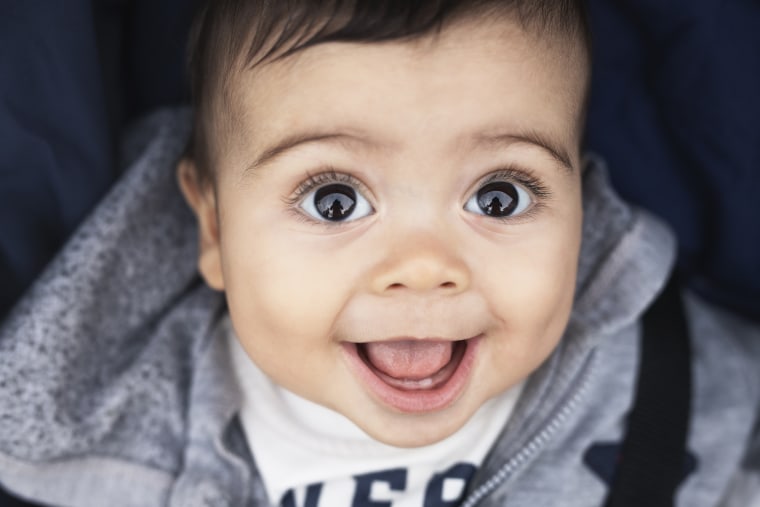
415	401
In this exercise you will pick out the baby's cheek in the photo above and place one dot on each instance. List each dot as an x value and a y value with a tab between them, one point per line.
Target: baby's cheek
532	295
292	299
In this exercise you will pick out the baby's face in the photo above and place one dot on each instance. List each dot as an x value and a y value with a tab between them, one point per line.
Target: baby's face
399	223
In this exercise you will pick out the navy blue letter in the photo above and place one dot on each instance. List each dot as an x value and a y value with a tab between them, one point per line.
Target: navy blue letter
434	491
396	480
312	497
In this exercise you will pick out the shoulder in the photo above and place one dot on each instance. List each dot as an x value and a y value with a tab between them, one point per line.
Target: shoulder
724	343
725	395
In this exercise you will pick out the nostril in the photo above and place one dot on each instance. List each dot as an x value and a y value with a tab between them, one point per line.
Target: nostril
444	285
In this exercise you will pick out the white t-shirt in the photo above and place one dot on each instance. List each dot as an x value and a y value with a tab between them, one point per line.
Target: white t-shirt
311	456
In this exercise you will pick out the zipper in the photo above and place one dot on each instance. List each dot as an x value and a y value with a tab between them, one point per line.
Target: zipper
536	443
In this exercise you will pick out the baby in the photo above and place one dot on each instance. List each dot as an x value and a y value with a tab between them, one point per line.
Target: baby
431	300
395	223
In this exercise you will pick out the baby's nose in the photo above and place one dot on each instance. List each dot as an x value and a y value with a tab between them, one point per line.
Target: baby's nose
421	262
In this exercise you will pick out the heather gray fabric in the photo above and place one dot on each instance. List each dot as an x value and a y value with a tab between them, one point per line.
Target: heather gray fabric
115	386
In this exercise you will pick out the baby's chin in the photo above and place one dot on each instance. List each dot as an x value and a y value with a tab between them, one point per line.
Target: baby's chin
413	430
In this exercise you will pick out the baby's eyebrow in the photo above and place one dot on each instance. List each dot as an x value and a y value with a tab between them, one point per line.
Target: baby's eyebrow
307	137
533	137
294	140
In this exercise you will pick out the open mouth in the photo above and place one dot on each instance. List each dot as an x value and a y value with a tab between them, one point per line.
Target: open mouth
413	365
414	375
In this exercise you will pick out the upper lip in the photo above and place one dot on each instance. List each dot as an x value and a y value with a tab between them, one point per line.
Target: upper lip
368	318
414	338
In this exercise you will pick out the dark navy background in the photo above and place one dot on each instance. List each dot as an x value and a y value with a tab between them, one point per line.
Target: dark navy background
674	109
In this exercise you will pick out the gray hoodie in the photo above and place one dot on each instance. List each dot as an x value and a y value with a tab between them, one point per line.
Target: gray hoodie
115	384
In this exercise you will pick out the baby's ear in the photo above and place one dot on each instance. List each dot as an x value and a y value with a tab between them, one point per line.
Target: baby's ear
201	198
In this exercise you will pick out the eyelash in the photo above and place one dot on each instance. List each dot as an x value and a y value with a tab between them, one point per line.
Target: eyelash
510	173
540	192
314	181
521	176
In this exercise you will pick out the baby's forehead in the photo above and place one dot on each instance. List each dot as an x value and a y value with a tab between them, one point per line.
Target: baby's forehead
282	53
231	40
500	42
232	51
385	97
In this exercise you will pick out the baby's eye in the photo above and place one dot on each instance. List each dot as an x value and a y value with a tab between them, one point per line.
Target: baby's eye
336	202
499	199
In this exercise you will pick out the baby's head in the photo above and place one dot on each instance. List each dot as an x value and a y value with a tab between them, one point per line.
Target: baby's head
389	194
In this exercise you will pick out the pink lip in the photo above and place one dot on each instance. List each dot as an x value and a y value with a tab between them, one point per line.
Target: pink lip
413	398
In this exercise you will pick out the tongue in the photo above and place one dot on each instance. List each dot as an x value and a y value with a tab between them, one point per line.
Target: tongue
409	359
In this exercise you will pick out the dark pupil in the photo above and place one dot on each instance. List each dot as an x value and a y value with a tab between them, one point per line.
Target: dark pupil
335	202
498	199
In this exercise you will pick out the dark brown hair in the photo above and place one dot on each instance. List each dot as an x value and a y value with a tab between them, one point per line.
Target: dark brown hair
232	35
